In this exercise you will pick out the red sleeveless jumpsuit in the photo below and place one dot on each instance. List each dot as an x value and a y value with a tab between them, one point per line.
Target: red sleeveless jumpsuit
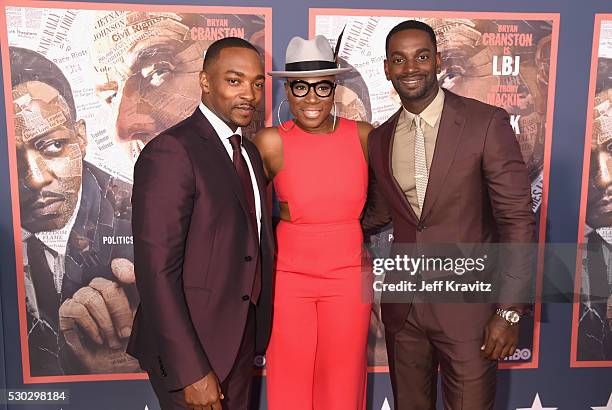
317	353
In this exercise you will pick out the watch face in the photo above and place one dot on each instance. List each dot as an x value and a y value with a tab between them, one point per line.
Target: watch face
512	316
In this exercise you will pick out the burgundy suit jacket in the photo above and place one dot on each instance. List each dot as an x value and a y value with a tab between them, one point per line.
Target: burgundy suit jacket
478	192
195	255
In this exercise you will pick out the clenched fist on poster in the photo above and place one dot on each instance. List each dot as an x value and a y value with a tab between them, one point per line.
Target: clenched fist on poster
97	322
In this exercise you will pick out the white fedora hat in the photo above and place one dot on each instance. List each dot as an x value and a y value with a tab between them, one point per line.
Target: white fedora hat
309	58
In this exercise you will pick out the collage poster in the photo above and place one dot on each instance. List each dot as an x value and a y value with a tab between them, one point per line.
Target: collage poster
592	324
90	88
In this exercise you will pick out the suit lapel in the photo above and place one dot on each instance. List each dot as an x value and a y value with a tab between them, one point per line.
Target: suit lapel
260	178
387	149
206	131
449	135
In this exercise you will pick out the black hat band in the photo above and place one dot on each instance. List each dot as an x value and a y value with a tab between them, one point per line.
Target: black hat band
310	66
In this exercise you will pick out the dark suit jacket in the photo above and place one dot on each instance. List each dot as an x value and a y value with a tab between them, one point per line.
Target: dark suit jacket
195	255
478	192
594	334
95	221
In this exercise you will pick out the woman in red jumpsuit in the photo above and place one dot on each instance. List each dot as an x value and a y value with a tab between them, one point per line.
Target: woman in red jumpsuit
318	162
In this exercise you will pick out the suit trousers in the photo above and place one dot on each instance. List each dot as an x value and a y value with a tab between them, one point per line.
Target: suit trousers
420	348
237	385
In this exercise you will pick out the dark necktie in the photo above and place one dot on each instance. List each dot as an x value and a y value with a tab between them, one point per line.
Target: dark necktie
47	298
242	170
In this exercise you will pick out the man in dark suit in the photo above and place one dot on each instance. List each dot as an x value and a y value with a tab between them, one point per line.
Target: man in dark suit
203	243
448	170
74	270
595	324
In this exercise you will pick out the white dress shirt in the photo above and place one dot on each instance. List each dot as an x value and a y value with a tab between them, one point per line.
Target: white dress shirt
224	132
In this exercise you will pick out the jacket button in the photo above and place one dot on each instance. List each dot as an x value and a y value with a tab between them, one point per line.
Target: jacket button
248	258
421	227
260	361
246	297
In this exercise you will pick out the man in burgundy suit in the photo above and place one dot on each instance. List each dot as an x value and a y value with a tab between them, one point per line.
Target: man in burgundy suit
447	169
203	245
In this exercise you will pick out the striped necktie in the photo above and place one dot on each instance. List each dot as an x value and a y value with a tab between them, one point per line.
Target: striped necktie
421	174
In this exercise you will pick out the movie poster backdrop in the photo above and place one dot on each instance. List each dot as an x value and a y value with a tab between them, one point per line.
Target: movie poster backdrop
91	86
592	321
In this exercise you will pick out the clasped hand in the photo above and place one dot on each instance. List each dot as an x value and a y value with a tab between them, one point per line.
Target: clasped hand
500	339
205	394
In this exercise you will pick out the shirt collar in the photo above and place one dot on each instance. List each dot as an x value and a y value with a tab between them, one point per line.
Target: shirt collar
220	127
57	240
432	113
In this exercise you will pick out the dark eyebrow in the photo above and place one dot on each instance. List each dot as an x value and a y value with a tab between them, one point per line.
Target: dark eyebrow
240	74
419	51
47	136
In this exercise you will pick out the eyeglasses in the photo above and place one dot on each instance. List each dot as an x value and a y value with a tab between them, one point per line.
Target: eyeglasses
301	88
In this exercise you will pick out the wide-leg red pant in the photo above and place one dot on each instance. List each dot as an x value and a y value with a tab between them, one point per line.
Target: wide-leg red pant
317	353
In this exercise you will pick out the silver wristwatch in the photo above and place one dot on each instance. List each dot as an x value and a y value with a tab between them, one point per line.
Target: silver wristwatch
511	316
